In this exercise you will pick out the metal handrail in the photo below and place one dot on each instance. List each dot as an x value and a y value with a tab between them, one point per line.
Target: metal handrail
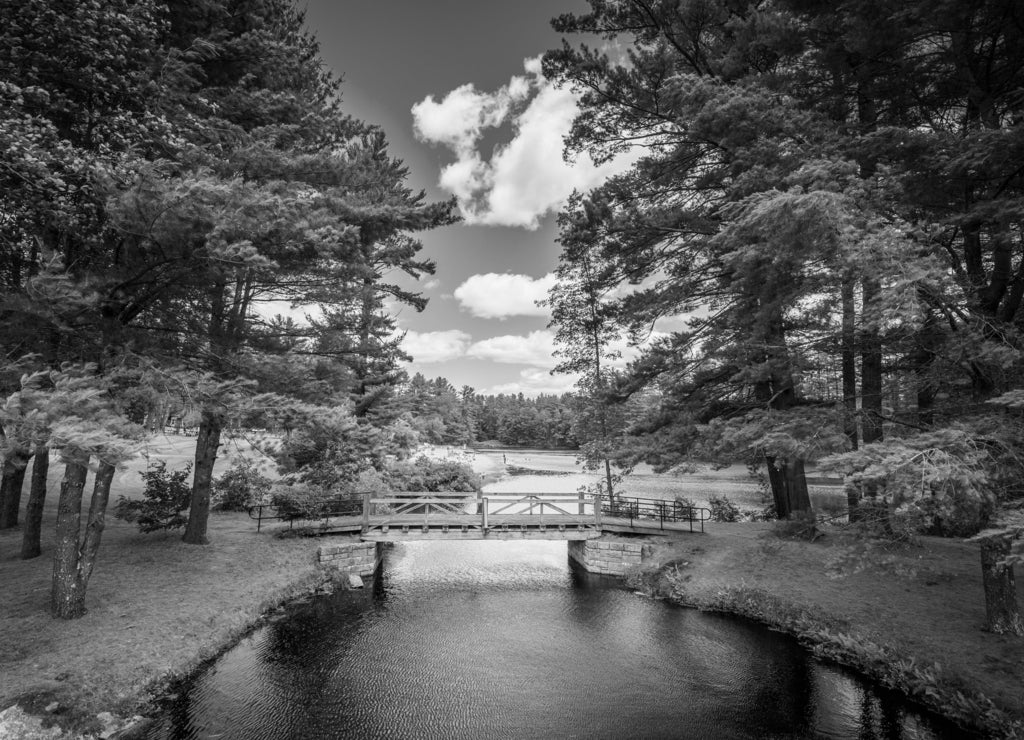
634	507
325	509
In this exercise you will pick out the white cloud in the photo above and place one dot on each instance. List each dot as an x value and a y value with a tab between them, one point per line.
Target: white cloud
535	349
527	177
498	296
533	382
458	120
436	346
431	284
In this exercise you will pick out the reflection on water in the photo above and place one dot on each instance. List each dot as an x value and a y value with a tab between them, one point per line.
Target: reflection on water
482	640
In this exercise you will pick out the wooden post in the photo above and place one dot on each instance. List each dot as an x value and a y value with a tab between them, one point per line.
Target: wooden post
485	514
597	510
366	512
582	505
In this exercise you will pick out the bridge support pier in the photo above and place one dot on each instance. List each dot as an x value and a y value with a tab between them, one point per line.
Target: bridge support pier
352	557
609	555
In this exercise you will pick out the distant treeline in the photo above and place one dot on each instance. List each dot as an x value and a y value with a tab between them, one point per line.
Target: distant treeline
440	414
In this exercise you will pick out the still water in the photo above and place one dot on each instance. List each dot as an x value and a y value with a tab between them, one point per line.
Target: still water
506	640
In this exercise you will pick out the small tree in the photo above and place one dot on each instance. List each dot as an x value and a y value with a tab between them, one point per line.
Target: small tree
241	486
164	500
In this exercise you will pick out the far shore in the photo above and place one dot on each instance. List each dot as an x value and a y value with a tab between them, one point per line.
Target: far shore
908	617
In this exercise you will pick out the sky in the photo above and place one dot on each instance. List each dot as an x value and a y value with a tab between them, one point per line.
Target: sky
456	86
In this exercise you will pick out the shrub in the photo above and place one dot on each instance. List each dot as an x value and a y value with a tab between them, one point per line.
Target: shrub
723	510
424	474
165	499
686	508
241	486
297	500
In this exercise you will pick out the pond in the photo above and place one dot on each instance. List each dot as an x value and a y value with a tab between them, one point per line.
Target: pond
508	640
505	639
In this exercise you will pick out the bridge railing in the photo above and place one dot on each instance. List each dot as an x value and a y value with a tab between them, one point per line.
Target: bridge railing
652	509
558	510
486	512
317	510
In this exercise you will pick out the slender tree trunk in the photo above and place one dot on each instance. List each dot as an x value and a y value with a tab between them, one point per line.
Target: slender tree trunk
63	601
849	363
871	375
921	359
30	538
10	489
202	481
777	480
1002	613
93	529
849	372
608	479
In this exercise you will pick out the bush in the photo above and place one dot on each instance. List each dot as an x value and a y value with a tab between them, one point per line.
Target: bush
166	498
241	486
297	500
424	474
686	508
723	510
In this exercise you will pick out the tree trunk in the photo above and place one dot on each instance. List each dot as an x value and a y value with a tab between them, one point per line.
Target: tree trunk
921	359
787	477
94	529
608	478
789	485
30	538
1001	610
206	455
10	489
849	371
871	375
849	363
63	601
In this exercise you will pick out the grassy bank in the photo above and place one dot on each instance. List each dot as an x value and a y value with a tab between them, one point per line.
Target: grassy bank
157	608
908	617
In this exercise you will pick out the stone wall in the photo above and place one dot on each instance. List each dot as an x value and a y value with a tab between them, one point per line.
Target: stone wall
608	555
359	558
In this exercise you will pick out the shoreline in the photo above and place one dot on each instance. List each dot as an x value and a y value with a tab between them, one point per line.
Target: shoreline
158	610
161	610
947	688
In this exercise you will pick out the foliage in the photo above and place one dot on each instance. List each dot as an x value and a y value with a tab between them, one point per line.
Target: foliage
933	482
299	500
437	413
240	486
687	506
723	510
424	474
800	198
165	499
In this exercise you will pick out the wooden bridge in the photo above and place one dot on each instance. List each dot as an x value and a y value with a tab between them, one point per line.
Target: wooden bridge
459	516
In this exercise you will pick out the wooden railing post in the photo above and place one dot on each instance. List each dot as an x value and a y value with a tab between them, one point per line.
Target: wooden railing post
366	512
485	513
597	510
583	509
